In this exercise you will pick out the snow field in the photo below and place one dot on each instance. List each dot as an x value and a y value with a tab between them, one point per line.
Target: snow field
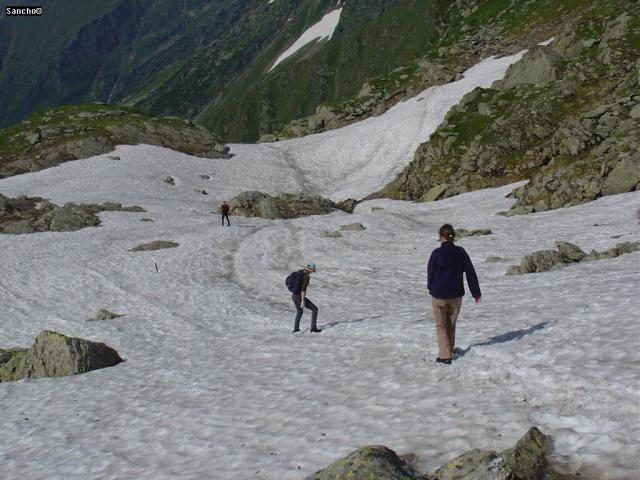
216	386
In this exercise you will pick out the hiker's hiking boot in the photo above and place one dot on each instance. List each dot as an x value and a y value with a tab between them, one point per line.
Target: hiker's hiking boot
316	330
446	361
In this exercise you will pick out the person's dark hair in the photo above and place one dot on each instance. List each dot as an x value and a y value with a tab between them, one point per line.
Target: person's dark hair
447	232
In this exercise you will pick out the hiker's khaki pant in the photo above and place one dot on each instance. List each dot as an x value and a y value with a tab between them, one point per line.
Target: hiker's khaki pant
445	313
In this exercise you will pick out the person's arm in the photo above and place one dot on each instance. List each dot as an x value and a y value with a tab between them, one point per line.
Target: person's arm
472	278
430	269
303	287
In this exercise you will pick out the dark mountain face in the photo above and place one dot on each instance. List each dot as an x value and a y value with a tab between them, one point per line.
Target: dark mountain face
99	50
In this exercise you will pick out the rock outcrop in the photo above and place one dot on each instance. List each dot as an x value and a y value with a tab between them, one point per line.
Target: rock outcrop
55	355
287	205
80	131
566	254
23	215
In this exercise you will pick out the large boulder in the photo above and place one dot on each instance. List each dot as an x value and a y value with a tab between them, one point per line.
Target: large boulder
540	261
539	65
525	461
286	205
55	355
371	462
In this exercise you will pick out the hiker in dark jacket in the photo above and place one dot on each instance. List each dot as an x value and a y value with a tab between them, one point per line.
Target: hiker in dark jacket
299	298
224	209
444	281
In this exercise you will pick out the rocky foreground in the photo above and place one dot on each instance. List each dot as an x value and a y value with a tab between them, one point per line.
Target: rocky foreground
525	461
566	117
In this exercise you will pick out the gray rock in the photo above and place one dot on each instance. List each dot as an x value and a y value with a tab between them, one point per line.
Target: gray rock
170	180
624	177
268	138
113	157
146	219
570	252
540	261
347	205
371	462
287	205
525	461
494	259
205	177
72	217
201	191
514	270
103	314
353	227
329	234
435	193
539	65
55	355
463	232
157	245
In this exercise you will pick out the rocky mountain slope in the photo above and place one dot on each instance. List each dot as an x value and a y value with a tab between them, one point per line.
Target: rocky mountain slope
100	50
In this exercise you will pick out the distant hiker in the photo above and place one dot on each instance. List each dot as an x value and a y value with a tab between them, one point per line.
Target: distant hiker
297	283
224	209
444	281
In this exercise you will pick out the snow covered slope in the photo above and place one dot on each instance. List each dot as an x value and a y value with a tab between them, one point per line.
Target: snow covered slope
216	386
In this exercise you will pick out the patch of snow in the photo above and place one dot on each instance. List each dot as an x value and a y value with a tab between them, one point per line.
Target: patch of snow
322	30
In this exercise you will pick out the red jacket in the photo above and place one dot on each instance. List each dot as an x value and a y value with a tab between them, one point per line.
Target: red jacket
224	208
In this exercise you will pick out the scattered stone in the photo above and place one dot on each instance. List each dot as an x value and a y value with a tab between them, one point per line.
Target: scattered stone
353	227
113	157
567	253
492	259
376	209
103	314
329	234
55	355
463	232
201	191
157	245
170	180
146	219
205	177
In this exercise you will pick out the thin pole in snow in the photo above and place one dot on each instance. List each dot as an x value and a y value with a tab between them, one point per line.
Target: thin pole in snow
154	262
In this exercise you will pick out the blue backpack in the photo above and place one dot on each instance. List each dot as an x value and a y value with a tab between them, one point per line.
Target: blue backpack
294	281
